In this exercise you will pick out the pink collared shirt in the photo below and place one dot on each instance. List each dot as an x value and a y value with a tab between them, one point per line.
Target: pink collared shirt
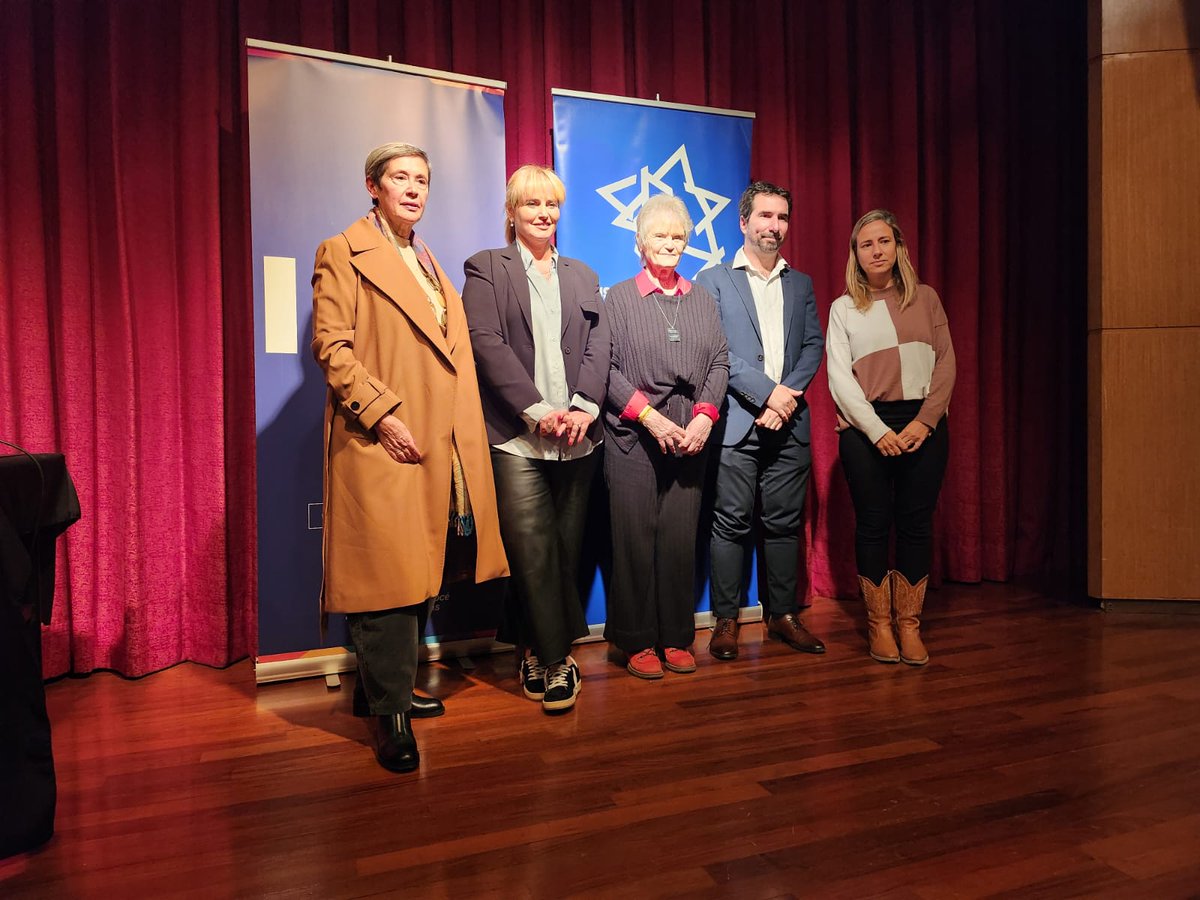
647	287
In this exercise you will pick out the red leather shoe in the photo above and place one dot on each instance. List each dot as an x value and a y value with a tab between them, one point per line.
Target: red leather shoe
645	664
678	659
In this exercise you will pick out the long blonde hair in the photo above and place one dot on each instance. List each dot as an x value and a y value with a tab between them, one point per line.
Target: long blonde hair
904	276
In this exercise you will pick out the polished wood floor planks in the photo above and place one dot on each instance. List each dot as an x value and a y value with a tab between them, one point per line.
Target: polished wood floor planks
1047	750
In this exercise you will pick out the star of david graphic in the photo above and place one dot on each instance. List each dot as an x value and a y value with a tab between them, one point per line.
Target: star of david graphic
711	203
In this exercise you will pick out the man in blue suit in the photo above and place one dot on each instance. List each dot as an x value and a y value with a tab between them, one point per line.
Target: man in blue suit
775	346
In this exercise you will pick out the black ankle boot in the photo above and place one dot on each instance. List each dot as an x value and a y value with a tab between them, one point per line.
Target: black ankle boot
395	745
426	707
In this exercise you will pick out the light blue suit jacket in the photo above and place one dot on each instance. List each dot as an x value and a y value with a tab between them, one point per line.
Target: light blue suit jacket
803	347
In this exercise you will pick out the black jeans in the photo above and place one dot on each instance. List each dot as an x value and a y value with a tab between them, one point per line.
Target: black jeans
543	509
387	641
894	490
386	644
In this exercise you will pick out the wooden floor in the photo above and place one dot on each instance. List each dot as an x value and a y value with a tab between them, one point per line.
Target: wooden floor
1047	750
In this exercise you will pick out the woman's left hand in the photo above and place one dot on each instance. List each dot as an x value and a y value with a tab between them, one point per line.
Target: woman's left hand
575	426
695	435
914	435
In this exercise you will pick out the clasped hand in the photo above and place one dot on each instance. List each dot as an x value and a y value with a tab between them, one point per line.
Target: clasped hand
695	436
566	426
675	440
909	440
779	408
669	435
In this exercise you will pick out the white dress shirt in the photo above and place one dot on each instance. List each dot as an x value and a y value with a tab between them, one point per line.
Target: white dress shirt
768	304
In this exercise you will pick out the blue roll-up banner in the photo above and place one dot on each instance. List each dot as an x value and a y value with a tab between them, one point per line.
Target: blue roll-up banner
612	154
313	119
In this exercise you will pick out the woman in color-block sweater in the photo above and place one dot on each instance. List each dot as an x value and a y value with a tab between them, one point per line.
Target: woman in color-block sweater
891	373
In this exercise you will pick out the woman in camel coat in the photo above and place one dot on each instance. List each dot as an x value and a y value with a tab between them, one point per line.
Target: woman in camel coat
408	475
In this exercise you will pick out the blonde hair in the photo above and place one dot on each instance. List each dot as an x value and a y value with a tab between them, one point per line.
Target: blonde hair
904	276
527	182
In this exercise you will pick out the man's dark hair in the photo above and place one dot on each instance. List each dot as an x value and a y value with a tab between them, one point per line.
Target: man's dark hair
746	204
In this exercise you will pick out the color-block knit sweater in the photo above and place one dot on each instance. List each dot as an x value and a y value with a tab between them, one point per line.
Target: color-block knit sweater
884	354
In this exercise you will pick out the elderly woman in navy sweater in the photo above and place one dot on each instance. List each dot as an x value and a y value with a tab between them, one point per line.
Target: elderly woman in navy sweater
670	367
891	373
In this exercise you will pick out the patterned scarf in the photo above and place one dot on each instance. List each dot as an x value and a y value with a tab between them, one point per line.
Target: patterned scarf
461	518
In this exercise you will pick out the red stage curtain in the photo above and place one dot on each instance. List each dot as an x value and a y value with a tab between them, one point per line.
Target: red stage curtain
124	334
124	253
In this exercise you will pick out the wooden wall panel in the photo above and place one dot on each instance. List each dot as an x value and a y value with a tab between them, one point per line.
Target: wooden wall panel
1095	225
1140	26
1143	301
1144	481
1149	179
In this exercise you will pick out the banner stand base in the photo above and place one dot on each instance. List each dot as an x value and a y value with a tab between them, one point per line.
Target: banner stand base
331	662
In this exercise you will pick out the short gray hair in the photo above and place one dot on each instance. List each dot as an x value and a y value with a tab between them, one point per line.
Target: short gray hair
658	208
378	159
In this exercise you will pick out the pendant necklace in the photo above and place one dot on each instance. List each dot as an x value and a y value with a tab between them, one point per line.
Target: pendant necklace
672	331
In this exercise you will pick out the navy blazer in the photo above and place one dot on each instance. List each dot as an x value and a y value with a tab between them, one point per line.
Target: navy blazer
803	347
496	299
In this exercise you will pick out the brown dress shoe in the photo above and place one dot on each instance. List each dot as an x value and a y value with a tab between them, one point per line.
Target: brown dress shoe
787	628
724	639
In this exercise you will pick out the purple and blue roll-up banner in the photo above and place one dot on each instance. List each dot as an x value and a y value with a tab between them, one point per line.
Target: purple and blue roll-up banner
613	153
313	118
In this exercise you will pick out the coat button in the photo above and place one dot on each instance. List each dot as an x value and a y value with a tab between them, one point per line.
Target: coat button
354	405
760	357
567	351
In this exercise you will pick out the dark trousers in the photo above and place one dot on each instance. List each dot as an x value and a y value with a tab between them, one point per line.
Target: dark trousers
894	490
386	644
655	504
27	783
386	641
543	509
776	465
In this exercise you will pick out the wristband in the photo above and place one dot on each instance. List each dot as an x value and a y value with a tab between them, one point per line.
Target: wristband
646	410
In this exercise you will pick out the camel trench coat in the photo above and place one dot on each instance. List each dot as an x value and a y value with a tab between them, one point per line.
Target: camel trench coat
382	350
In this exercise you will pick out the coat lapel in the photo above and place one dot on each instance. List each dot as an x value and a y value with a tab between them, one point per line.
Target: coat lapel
456	316
520	283
566	293
378	262
742	282
789	305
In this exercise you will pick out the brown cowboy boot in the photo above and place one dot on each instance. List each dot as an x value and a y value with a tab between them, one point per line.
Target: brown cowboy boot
878	598
907	601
